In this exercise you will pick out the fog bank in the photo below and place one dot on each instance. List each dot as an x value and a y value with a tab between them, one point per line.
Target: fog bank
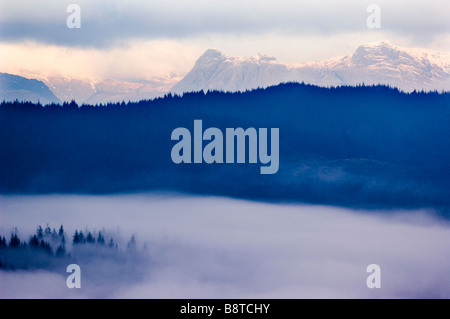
211	247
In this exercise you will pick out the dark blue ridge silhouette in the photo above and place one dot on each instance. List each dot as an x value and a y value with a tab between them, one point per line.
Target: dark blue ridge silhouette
371	147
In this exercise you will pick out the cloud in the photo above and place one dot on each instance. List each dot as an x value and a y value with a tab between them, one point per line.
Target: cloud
108	23
158	59
208	247
117	35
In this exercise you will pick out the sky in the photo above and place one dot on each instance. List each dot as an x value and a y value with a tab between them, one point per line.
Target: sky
137	39
213	247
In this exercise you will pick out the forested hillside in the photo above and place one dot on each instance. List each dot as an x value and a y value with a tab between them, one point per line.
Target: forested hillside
353	146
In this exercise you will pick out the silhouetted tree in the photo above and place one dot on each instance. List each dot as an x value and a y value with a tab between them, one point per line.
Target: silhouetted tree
100	239
82	238
90	239
40	232
34	242
2	242
48	230
73	104
61	231
14	242
76	237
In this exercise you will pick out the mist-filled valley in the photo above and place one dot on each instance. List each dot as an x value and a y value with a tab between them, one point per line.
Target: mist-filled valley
212	247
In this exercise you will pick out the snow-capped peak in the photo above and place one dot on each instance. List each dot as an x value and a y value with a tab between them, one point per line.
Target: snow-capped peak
209	58
372	63
369	54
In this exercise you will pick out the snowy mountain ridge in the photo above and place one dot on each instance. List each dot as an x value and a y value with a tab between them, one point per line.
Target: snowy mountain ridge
373	63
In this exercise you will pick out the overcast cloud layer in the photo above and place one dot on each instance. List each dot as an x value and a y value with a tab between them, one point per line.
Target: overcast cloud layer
151	40
109	22
207	247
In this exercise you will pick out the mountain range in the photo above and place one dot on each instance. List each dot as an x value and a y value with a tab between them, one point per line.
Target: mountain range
376	63
103	91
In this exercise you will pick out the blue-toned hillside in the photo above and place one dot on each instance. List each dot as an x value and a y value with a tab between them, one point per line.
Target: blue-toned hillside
14	87
354	146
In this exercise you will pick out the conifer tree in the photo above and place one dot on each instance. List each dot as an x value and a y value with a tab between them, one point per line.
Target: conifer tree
34	242
48	230
40	232
61	231
14	242
82	238
2	242
76	237
89	238
100	239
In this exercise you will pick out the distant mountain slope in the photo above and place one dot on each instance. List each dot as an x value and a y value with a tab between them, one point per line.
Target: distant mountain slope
104	91
89	91
14	87
379	63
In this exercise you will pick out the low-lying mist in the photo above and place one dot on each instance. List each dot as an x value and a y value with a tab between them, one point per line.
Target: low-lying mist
213	247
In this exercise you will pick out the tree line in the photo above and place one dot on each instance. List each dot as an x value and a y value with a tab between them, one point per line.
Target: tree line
48	246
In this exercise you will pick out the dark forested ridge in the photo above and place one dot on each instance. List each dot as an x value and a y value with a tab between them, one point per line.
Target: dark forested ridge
354	146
